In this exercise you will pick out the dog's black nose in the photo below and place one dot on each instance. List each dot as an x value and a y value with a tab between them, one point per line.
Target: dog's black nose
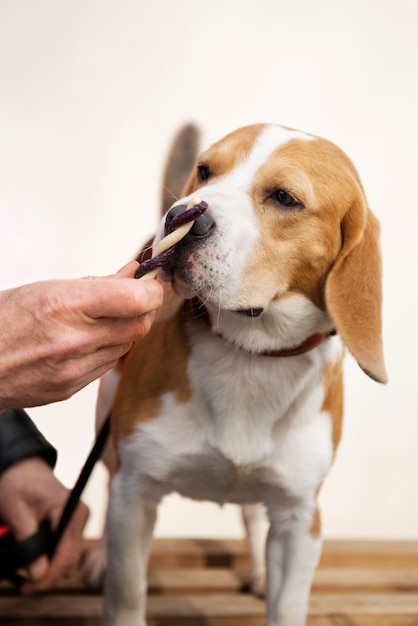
176	210
201	227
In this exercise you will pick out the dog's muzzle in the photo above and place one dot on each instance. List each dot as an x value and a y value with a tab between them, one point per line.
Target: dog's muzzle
201	228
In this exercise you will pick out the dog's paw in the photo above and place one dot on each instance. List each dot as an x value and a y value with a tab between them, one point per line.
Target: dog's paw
94	566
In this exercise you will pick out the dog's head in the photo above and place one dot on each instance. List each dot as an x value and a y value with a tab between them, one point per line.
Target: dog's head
287	247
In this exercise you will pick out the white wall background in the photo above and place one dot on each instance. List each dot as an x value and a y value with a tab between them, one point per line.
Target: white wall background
91	93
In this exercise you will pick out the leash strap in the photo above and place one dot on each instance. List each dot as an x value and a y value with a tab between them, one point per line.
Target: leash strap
81	482
16	555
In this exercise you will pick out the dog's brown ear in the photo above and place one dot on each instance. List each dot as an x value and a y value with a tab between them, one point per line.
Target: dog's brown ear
353	291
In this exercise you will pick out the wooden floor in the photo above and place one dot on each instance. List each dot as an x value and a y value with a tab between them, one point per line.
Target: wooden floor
203	583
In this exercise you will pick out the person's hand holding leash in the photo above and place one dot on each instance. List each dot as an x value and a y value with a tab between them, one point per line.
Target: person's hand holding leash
29	494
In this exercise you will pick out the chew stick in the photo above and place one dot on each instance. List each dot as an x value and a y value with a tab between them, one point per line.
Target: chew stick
177	229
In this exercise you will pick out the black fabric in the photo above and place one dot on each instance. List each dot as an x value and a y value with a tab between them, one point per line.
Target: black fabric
20	439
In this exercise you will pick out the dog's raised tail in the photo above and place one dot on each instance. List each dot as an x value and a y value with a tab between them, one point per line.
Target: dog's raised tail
180	161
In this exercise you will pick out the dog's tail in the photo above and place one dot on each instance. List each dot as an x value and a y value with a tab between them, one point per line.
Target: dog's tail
179	163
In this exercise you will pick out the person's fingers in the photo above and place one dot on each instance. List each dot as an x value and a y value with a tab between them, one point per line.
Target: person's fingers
22	521
93	347
38	569
119	297
110	331
77	373
67	379
23	524
67	554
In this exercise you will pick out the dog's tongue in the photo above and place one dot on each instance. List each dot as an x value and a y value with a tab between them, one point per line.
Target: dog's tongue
166	254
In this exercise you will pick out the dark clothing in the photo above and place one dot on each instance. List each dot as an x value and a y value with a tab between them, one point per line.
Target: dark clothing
20	439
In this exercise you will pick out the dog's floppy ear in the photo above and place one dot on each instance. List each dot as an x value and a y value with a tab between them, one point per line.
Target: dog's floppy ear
353	291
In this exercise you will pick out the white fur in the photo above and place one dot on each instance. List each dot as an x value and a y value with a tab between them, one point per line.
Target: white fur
107	389
284	324
235	423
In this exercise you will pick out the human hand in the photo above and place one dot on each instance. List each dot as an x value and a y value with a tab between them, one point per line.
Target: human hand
29	494
57	336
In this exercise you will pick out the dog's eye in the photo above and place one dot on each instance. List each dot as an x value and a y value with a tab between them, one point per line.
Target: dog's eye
203	172
285	199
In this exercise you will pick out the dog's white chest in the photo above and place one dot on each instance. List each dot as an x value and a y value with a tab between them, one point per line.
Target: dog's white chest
251	425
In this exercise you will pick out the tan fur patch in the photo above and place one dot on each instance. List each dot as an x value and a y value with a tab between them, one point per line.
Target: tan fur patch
299	246
224	155
333	399
156	365
315	529
354	291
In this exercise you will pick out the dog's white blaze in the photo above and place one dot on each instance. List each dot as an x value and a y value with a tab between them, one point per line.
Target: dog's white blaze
269	140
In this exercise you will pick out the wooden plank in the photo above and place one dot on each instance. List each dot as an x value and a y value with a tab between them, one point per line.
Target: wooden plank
220	581
362	580
217	610
368	584
192	581
363	610
49	609
246	606
225	581
232	553
370	554
163	582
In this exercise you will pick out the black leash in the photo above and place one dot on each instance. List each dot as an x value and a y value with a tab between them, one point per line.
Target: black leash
16	555
81	482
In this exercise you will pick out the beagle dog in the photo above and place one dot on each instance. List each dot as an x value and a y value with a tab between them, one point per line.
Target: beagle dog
235	395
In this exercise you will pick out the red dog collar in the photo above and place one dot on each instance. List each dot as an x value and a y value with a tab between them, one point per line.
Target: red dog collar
197	310
306	346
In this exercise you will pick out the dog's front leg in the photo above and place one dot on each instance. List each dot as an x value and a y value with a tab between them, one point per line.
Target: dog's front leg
293	553
130	522
256	525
